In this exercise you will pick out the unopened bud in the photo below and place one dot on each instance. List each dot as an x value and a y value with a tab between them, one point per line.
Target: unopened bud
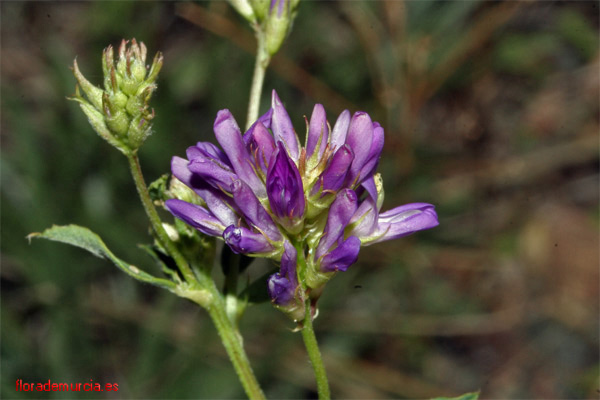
123	105
279	22
245	9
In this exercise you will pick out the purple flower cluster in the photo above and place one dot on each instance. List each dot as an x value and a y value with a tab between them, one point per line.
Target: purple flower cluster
268	196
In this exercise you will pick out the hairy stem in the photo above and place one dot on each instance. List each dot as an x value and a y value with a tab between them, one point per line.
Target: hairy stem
310	342
232	341
140	184
308	333
260	67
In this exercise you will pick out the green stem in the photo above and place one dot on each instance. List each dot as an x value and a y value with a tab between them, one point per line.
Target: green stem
140	184
230	336
308	333
260	67
310	342
232	341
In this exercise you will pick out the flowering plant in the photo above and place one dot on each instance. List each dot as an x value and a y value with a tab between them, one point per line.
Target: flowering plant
307	208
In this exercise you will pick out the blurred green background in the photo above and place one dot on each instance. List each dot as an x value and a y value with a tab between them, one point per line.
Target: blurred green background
491	113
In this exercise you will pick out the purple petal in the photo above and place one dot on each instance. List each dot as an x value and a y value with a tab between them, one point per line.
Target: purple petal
342	209
215	174
208	151
342	257
282	285
365	218
260	146
404	220
264	119
280	4
288	262
179	168
282	128
372	161
284	186
243	241
230	138
318	132
397	213
281	290
335	173
360	138
340	130
196	216
253	211
370	186
217	203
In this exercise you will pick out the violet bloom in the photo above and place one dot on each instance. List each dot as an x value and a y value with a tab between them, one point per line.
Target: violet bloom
267	195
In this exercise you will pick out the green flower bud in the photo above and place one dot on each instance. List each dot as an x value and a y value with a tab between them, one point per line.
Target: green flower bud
245	9
261	8
96	120
139	129
120	113
278	23
118	99
118	123
134	105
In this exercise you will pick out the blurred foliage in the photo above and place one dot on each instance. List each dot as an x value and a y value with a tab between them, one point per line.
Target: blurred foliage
491	113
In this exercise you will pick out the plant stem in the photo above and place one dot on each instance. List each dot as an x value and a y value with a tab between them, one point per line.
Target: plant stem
232	341
310	342
308	333
230	336
260	67
140	184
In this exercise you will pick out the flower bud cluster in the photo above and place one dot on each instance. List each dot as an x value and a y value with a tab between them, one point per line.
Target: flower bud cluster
310	208
120	113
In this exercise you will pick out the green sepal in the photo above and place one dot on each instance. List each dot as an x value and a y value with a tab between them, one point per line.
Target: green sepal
86	239
155	67
115	118
96	119
93	93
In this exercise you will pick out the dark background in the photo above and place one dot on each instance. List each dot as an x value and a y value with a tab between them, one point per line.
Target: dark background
491	113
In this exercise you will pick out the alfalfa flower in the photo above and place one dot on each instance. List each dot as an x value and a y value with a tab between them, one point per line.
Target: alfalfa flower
309	207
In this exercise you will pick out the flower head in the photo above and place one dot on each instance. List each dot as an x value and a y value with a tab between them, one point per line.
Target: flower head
266	195
120	112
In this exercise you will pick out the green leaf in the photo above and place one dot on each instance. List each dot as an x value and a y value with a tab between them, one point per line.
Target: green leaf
84	238
466	396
